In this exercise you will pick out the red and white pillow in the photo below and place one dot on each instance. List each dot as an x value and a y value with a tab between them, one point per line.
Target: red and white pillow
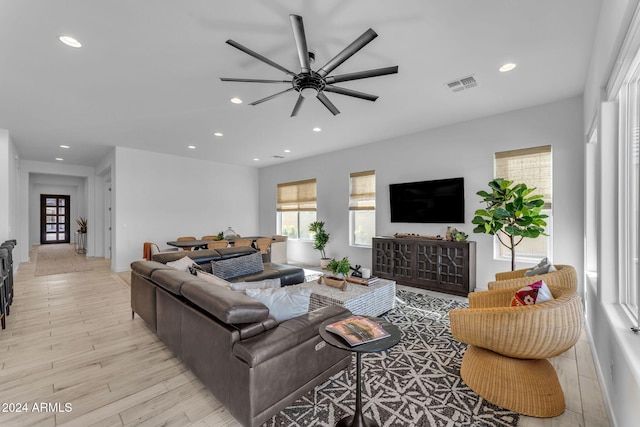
534	293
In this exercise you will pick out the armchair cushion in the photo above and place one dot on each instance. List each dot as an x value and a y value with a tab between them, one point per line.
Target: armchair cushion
534	293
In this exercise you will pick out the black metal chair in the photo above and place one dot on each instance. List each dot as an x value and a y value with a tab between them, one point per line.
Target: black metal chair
4	277
9	245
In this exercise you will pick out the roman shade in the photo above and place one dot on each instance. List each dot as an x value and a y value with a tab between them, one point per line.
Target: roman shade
531	166
363	191
297	196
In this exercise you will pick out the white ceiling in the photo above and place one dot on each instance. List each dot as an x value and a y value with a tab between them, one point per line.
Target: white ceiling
147	76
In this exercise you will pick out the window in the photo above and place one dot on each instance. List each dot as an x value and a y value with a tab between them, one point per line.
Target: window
531	166
296	208
362	207
629	109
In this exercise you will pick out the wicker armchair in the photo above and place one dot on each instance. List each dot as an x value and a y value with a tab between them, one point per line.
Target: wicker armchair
508	346
564	277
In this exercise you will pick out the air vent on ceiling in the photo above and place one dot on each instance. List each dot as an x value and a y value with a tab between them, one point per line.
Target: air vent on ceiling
278	157
462	84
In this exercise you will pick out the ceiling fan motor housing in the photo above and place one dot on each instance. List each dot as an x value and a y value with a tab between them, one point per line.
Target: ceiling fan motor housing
308	84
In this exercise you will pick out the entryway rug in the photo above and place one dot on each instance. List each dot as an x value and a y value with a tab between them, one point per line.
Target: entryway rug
416	383
59	258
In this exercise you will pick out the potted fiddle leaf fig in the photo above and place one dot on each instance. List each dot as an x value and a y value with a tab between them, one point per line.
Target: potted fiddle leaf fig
512	213
320	240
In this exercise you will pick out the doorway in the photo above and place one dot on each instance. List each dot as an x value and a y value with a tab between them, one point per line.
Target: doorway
54	219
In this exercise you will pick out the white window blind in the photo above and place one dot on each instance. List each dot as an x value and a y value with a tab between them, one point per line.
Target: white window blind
297	196
363	191
531	166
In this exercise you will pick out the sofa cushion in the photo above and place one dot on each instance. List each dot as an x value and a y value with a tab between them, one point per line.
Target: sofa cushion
201	256
172	279
260	284
286	336
238	266
228	306
145	268
283	303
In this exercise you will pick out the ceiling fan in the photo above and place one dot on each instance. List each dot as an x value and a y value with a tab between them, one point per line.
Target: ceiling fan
309	83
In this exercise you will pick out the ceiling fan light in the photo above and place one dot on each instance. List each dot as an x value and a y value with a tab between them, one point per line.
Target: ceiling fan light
308	92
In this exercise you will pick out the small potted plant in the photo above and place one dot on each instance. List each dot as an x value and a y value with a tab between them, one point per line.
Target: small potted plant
82	225
320	240
340	270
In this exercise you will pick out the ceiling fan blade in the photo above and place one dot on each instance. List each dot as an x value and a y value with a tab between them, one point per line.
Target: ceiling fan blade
227	79
260	101
259	57
350	92
323	98
301	42
348	51
362	75
296	108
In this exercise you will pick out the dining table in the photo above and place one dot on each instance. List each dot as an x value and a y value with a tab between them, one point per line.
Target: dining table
202	244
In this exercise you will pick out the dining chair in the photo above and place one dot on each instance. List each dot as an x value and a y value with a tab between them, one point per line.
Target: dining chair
243	242
264	244
209	237
186	238
217	244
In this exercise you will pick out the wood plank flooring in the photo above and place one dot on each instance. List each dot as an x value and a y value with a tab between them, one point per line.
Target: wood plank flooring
72	356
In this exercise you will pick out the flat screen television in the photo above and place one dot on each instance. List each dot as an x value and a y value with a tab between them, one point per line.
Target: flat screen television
437	201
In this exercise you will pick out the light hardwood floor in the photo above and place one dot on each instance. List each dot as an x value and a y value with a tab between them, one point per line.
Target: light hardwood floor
70	340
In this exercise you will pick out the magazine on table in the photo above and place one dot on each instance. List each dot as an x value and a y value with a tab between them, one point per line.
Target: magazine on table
358	330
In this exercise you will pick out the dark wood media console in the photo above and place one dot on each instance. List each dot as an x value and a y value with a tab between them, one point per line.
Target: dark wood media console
436	265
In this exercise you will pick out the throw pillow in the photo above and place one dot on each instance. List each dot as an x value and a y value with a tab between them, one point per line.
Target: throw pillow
284	303
542	267
182	264
534	293
239	266
212	279
261	284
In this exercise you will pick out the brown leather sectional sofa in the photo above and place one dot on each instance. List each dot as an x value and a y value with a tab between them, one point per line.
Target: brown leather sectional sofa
252	364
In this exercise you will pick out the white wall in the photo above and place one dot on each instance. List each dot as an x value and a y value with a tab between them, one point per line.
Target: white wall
157	197
465	150
615	348
9	193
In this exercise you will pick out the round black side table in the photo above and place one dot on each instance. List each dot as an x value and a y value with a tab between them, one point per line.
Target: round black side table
358	419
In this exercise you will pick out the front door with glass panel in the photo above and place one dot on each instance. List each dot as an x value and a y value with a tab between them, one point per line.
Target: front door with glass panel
54	219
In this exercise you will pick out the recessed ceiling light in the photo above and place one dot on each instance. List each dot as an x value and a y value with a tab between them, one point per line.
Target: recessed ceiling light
507	67
218	134
317	129
191	147
256	159
236	100
64	146
70	41
59	159
287	151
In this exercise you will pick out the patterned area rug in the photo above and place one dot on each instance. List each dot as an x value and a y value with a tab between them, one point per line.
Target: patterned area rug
416	383
58	259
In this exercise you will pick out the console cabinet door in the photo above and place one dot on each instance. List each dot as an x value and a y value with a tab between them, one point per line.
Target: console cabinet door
429	264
